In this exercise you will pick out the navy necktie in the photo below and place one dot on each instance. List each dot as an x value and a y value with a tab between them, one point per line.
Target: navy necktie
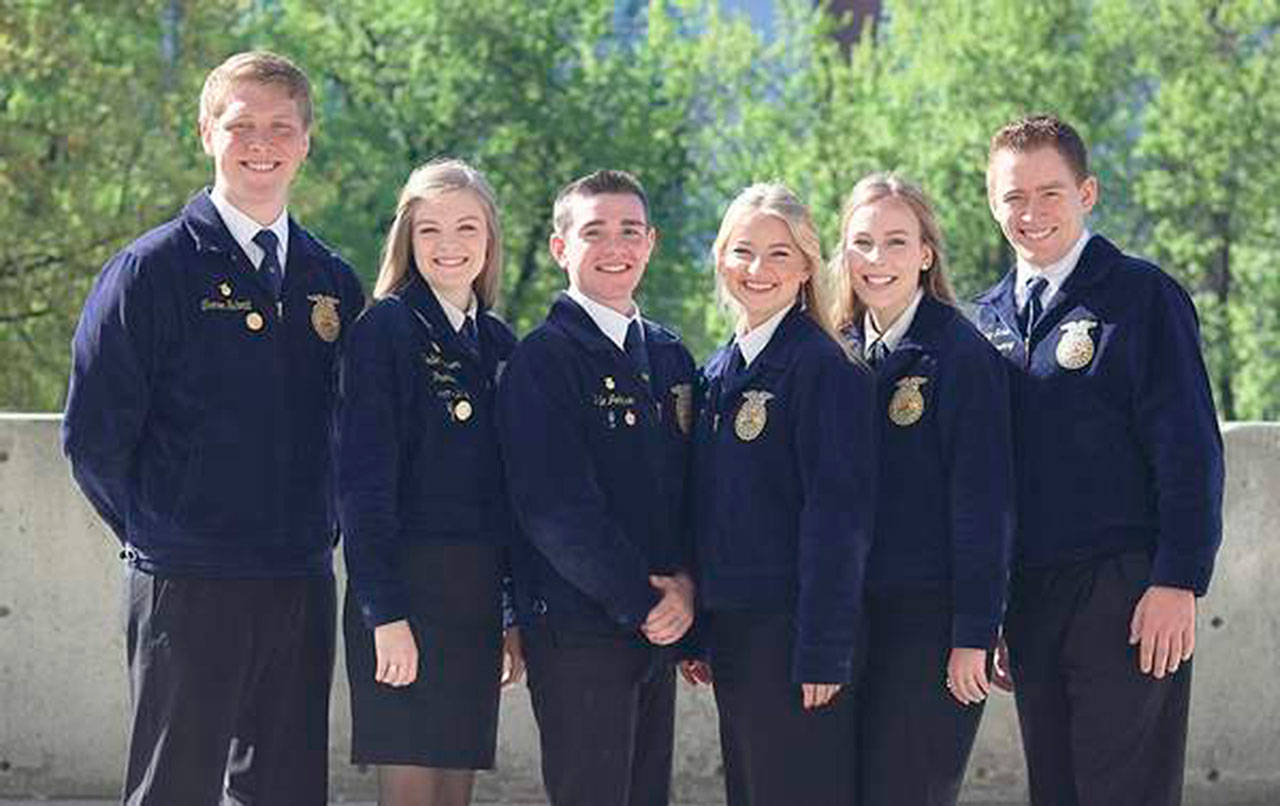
877	354
270	265
1033	307
635	349
470	336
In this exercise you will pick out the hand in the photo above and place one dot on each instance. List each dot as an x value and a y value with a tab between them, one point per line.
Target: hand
967	675
397	654
695	672
512	657
1164	628
1001	672
817	695
672	616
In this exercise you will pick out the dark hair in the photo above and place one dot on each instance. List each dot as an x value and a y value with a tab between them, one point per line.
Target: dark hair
1043	131
598	183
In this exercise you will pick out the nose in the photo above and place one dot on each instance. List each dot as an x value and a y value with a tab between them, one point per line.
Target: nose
755	267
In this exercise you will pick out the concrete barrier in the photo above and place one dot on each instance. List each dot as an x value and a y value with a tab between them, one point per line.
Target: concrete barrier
63	690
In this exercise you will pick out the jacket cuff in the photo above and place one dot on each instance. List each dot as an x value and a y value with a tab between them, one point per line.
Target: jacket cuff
821	664
383	609
1188	571
973	632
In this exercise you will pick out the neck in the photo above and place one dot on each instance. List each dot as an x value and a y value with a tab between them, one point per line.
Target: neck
626	307
262	211
459	298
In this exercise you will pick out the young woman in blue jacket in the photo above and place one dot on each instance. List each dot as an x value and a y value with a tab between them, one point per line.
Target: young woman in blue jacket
422	497
783	475
936	577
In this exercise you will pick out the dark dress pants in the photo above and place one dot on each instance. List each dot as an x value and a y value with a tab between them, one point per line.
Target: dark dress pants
1096	731
605	708
914	737
229	683
775	752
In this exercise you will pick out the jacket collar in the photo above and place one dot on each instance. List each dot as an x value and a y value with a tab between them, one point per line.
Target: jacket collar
776	354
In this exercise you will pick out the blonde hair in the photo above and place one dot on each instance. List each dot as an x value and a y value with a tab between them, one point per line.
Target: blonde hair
777	200
846	308
433	179
261	67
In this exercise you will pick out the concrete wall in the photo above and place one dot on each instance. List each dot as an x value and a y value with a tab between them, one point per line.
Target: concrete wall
63	691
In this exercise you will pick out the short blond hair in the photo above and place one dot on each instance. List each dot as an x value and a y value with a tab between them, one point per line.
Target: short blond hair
260	67
428	181
777	200
846	308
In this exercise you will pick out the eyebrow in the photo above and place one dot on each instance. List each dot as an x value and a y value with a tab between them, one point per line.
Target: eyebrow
418	221
626	222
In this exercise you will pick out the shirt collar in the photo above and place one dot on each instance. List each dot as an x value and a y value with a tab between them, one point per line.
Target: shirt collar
243	228
753	342
895	332
456	316
611	323
1056	273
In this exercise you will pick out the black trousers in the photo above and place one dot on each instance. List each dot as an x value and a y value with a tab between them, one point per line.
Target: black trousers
775	752
1096	731
229	683
605	708
914	737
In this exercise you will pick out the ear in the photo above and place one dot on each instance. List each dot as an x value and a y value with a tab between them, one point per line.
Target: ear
306	144
1089	193
929	257
205	130
557	245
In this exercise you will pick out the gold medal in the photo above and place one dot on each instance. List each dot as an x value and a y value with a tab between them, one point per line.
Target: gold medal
224	289
906	407
682	395
324	316
1075	346
753	416
462	410
609	383
629	418
254	321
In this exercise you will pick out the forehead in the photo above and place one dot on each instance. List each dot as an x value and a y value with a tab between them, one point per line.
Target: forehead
1024	170
607	208
886	214
761	228
448	205
269	99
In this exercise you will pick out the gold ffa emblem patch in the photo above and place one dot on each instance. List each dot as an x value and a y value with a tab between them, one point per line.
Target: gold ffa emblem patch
1075	346
753	415
906	407
324	316
682	405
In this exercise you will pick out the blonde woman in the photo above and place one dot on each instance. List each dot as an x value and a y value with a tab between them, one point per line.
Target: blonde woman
936	575
422	499
783	474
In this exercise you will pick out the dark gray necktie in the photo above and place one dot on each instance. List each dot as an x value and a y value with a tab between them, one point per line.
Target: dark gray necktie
1033	307
270	265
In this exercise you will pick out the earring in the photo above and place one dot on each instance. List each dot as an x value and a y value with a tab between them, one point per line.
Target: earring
926	266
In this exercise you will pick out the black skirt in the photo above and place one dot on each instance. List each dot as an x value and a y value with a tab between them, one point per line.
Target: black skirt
448	717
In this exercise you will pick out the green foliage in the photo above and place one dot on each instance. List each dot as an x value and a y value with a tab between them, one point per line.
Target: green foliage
1176	98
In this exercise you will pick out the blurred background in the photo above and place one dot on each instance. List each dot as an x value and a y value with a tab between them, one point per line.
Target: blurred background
1178	100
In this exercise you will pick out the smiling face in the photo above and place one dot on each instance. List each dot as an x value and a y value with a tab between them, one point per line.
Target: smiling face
450	238
257	142
761	266
1039	203
605	247
885	256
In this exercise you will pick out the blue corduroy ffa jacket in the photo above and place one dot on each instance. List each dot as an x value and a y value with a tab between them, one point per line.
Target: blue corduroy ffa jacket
944	508
1116	443
784	484
596	459
199	418
418	456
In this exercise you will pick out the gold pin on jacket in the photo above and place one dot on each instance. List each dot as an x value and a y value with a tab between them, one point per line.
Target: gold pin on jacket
254	321
324	316
906	407
1075	346
462	410
753	415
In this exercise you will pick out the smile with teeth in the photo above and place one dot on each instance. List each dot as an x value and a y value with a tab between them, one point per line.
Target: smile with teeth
1037	234
612	268
261	167
879	279
758	286
450	262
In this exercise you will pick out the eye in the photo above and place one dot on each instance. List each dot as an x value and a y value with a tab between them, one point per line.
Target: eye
742	252
590	234
282	128
780	254
631	232
468	228
897	243
861	244
428	229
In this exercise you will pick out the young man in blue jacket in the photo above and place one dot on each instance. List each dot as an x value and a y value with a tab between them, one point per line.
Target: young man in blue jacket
1120	478
594	413
199	424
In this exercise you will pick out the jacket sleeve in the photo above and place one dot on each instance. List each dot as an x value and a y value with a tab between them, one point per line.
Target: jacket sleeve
1178	428
835	457
551	479
370	434
110	389
978	453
